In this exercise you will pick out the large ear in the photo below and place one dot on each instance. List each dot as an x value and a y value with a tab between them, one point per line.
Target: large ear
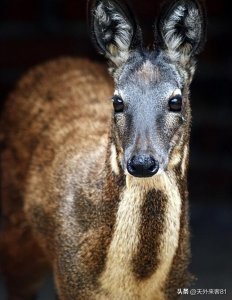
114	29
181	29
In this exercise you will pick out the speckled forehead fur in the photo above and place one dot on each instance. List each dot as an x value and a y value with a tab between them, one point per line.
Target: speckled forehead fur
150	67
147	72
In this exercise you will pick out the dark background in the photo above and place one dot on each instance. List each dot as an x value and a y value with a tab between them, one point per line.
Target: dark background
34	31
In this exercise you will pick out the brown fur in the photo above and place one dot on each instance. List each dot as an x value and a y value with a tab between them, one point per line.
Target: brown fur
50	95
146	261
60	197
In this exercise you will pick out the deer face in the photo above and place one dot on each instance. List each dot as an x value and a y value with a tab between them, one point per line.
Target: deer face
151	109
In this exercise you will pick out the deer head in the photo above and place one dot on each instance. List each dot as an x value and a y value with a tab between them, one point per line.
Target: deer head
151	108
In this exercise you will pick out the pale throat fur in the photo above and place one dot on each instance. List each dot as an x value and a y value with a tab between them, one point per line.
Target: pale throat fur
146	232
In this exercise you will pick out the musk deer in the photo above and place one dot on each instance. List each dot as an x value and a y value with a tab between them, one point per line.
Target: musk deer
100	194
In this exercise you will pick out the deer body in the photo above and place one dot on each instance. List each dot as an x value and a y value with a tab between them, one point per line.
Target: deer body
84	192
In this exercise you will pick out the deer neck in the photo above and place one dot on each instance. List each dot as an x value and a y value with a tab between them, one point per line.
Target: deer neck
146	228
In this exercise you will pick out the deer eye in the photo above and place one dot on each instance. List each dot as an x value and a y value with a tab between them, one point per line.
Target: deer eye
175	103
118	104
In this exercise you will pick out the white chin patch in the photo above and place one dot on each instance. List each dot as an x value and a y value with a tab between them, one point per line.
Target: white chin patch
160	171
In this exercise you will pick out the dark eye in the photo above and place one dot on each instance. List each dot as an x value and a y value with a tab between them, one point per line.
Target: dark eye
175	103
118	104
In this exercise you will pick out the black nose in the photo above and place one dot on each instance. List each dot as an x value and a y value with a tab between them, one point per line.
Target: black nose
142	166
